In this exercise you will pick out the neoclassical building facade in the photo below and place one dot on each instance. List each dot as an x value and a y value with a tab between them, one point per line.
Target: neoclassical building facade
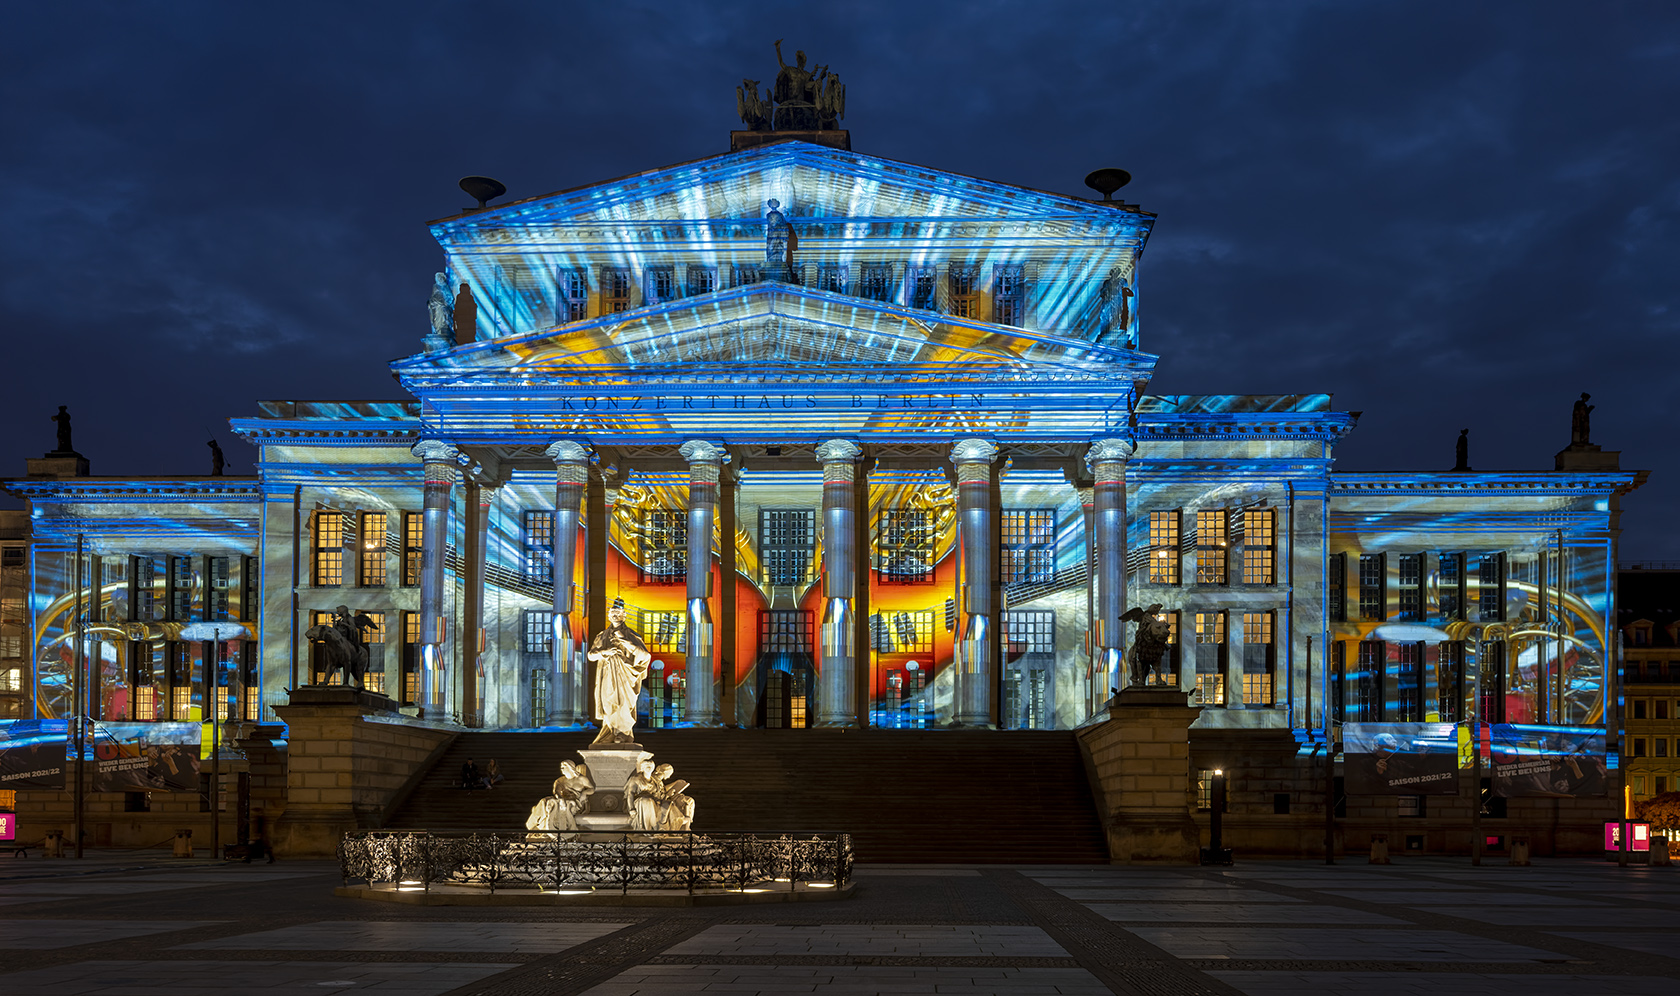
856	443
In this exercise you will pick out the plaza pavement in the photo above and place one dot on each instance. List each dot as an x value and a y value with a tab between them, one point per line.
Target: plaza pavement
121	924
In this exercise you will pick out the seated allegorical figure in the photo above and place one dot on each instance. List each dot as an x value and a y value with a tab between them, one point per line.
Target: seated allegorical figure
676	807
640	797
570	797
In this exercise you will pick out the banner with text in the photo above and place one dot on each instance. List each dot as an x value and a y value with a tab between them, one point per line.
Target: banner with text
145	757
33	753
1558	762
1400	758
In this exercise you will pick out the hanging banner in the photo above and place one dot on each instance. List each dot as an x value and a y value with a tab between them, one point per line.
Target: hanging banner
1557	762
34	753
145	757
1400	758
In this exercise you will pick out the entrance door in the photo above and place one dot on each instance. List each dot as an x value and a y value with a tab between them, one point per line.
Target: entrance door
787	700
1029	653
909	700
667	689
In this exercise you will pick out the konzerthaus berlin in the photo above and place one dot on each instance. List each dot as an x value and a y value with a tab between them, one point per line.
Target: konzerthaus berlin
857	443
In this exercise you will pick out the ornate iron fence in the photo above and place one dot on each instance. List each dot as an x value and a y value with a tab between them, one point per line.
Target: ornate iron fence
556	861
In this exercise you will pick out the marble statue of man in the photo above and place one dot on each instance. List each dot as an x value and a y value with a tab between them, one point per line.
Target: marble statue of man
621	662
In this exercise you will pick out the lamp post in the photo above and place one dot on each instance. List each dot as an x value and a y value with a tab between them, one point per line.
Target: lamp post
216	743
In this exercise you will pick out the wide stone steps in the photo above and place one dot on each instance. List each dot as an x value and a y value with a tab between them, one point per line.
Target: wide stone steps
969	796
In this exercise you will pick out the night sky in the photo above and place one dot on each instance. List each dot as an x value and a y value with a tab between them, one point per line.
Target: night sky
1447	215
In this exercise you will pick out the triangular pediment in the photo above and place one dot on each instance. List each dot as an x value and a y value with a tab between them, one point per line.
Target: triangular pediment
778	332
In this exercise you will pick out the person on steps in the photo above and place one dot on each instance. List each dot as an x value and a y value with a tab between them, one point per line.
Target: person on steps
470	778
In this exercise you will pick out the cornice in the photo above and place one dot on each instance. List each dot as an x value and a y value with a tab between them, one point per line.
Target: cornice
1601	483
346	431
135	490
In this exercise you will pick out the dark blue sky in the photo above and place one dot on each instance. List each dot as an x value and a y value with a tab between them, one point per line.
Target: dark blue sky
1448	215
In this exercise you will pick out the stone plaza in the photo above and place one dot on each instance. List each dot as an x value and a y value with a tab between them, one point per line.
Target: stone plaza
120	924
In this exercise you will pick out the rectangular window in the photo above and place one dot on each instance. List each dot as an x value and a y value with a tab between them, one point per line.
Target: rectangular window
1409	583
786	632
1373	587
1173	657
373	636
964	283
615	291
1210	656
250	681
1008	293
539	696
1163	547
1259	546
875	282
1212	543
571	296
1490	587
664	546
1408	682
1452	585
1638	746
537	629
833	278
180	681
660	285
903	632
1638	708
414	547
1449	681
216	590
328	571
250	589
410	657
181	587
1662	708
1335	584
787	540
1491	706
702	280
1661	745
747	274
1259	659
371	571
142	582
1411	806
664	632
539	544
906	547
1367	683
1029	544
924	288
1204	789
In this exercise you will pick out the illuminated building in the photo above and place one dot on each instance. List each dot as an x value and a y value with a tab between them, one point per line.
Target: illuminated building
859	443
1650	629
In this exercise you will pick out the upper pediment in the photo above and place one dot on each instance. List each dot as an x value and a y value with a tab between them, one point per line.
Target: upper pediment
774	332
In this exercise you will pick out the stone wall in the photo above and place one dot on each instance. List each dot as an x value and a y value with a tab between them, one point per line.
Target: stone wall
1139	764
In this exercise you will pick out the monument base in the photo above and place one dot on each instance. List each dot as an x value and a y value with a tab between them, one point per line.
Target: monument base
1140	762
610	766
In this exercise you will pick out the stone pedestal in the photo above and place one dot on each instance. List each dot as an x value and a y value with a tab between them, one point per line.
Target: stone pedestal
343	770
1140	770
609	769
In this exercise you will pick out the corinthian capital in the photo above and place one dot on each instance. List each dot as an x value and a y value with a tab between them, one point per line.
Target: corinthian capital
435	451
973	451
567	451
838	450
1112	450
700	451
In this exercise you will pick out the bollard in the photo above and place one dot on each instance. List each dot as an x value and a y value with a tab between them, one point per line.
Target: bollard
183	843
1379	849
1659	852
53	845
1519	851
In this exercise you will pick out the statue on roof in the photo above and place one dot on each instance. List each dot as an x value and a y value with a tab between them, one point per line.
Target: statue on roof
218	460
440	309
63	420
1580	422
1463	450
795	93
803	98
754	107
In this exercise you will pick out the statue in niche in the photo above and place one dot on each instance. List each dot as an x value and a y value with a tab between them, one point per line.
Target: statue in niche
1580	422
621	663
795	94
779	243
440	308
63	420
676	807
1150	644
754	108
217	460
641	799
1463	450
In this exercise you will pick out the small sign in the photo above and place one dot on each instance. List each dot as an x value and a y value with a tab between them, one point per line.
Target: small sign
1639	832
8	826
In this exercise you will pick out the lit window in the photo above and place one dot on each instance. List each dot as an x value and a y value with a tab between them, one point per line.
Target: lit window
1163	547
411	657
664	546
664	632
1210	649
1259	658
1212	542
329	549
615	291
1029	544
905	547
1008	293
371	572
1259	546
965	291
539	627
414	547
787	541
539	545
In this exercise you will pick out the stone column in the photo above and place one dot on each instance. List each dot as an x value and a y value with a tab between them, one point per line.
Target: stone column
1095	693
479	499
1107	462
439	459
976	662
836	698
705	462
571	476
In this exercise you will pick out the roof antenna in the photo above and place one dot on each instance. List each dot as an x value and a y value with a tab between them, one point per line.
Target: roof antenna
484	189
1104	181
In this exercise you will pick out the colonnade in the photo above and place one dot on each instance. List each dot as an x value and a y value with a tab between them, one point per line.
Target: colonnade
842	685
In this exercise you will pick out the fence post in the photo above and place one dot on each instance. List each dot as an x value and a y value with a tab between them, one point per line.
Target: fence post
837	861
426	862
626	861
691	862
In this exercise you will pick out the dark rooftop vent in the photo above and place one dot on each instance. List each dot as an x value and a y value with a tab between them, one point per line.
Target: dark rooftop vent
1104	181
485	189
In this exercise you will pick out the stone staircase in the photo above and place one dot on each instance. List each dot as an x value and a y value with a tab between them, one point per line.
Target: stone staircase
964	796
